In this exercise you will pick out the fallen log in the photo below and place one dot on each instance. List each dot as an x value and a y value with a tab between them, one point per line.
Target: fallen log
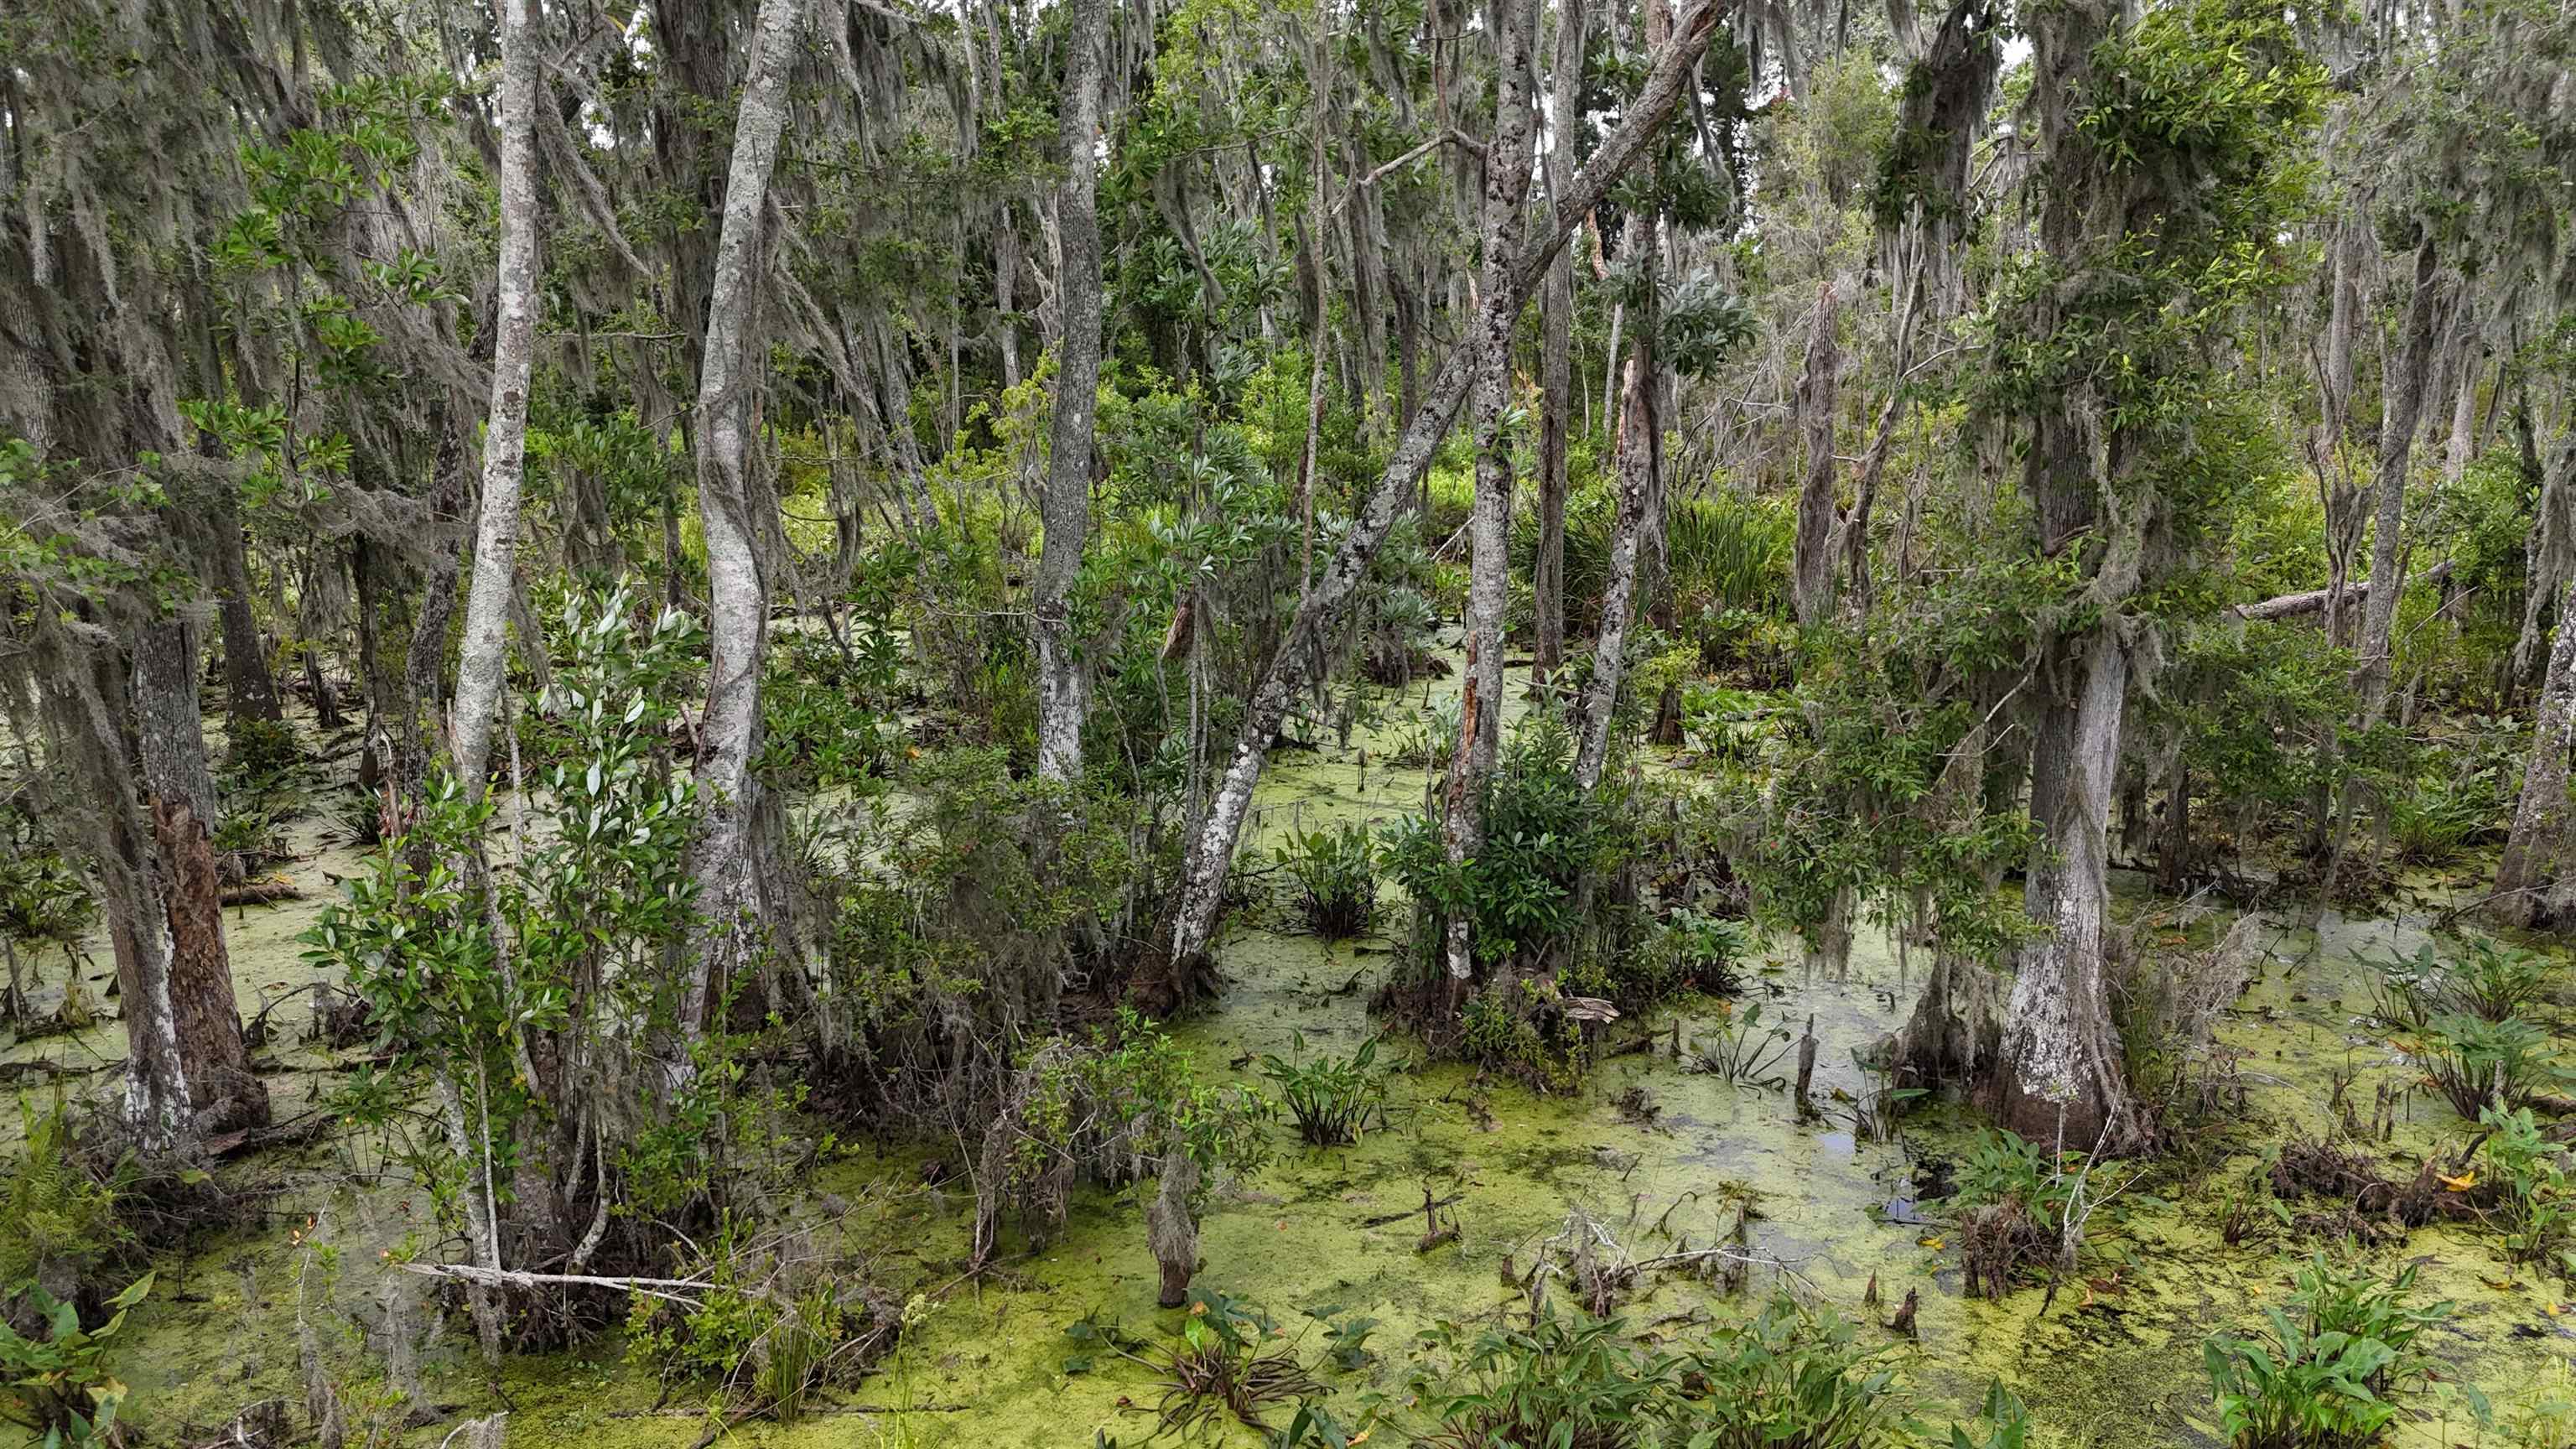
2309	601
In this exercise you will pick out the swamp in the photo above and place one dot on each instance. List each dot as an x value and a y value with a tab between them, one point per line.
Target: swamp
1554	724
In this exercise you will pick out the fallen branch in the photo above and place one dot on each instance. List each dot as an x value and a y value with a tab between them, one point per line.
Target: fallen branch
675	1290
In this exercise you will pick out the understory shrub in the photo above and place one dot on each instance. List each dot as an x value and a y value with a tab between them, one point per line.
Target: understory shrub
60	1384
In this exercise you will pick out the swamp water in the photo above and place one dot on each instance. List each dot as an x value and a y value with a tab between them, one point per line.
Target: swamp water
2113	1361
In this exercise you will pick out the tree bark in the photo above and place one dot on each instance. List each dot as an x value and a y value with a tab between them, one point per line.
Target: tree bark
1812	588
1063	680
2403	412
1471	763
733	907
2549	562
2059	1078
187	1068
482	657
250	692
1556	351
1212	840
2530	888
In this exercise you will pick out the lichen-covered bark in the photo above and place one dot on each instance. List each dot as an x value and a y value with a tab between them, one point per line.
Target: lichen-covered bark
2530	884
1556	352
482	656
1812	578
1063	682
2402	414
733	905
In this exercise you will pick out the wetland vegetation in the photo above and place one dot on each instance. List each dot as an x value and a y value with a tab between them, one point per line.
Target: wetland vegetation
1544	725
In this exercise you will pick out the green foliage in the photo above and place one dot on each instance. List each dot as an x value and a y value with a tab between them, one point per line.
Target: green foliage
58	1221
823	708
2328	1372
2004	1168
1788	1376
1543	833
2535	1205
1335	872
1222	1364
60	1385
773	1323
1741	1051
1332	1099
2476	1064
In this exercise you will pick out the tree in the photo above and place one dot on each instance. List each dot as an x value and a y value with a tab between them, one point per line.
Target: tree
1063	676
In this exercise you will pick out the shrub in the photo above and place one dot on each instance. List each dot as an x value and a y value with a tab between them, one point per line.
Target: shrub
2325	1373
1335	876
1791	1378
60	1384
1332	1099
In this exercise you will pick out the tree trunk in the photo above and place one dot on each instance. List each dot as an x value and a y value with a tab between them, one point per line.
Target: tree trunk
250	692
187	1069
2526	892
1812	589
1169	1229
2060	1077
1556	351
1489	525
1212	839
2403	410
1637	425
733	906
482	657
1063	679
2549	563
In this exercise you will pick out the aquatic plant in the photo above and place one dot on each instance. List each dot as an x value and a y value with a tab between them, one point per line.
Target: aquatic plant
2476	1063
1220	1364
2327	1372
2483	978
1562	1382
1741	1051
2533	1201
58	1220
1789	1376
60	1384
2016	1200
1335	872
1332	1099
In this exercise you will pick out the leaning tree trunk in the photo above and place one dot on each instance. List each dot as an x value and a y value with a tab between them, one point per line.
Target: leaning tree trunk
482	656
1480	700
732	904
1556	352
2527	892
1212	840
1063	679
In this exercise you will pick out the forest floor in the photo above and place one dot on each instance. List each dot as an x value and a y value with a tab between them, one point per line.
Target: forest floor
2111	1358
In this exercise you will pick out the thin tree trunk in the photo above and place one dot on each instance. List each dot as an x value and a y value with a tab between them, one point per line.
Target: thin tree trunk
1063	680
482	658
250	692
2403	412
2549	562
732	904
1489	524
1556	350
1212	842
1812	588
